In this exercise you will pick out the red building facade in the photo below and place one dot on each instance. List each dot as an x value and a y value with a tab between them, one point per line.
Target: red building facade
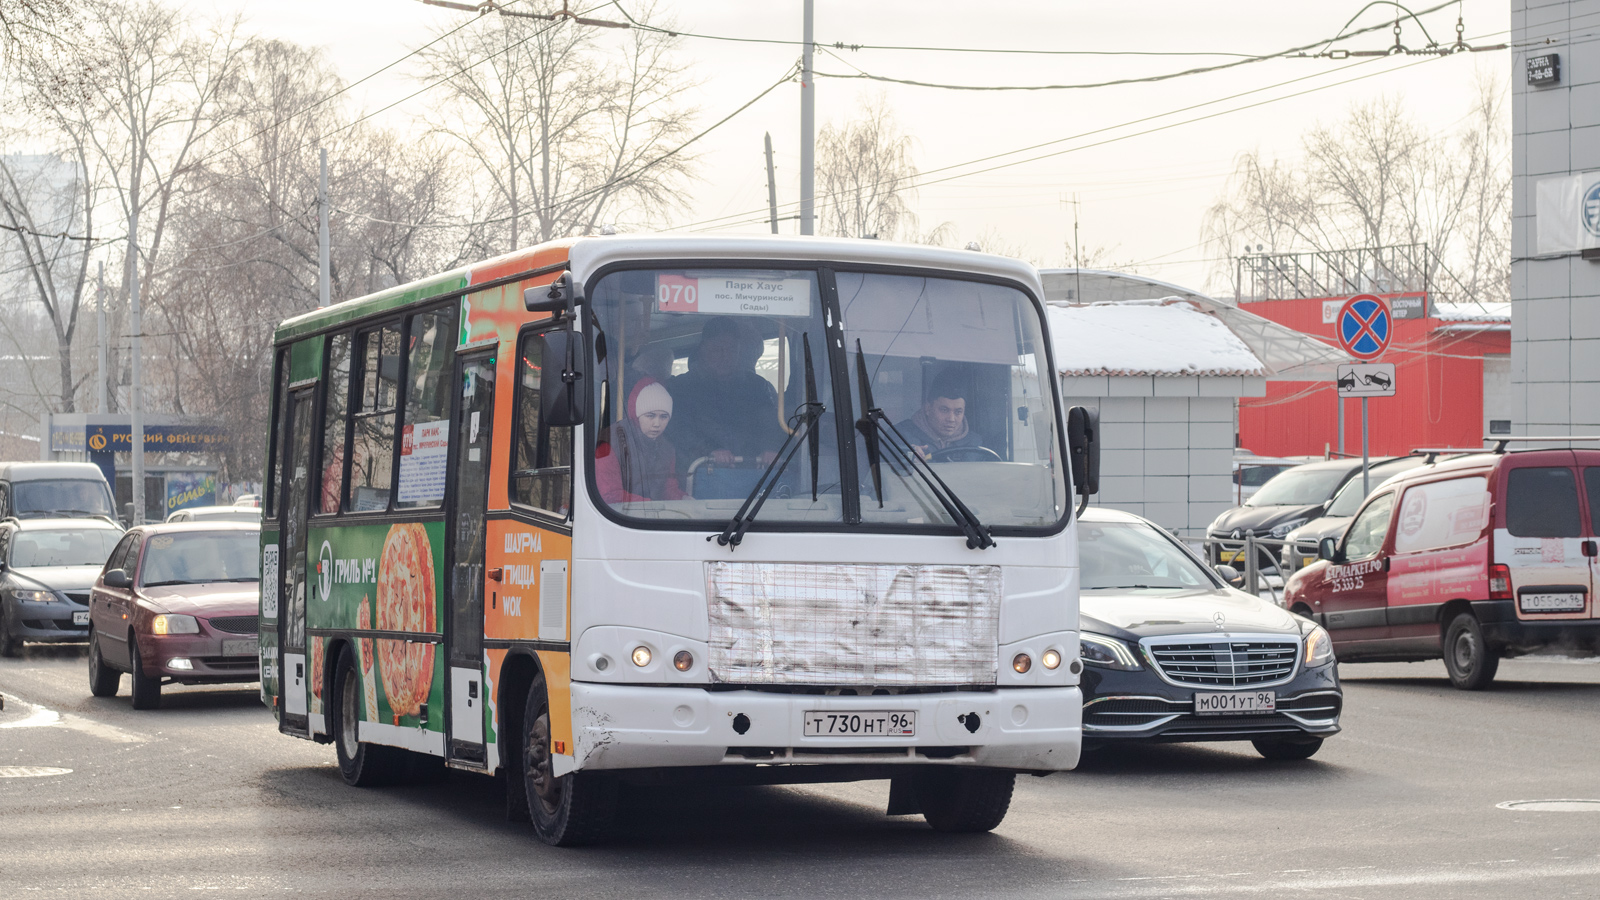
1439	356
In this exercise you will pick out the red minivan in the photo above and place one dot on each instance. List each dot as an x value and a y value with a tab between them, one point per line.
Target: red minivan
1470	558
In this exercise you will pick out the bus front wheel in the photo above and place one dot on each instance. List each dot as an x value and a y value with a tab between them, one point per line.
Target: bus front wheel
964	800
566	810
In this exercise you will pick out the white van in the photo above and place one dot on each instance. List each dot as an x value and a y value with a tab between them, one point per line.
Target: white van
54	490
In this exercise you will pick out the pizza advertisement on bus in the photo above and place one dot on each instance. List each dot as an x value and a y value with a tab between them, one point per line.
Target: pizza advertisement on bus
384	578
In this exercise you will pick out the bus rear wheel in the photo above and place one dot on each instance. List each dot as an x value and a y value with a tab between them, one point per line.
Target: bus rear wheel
362	764
964	800
567	810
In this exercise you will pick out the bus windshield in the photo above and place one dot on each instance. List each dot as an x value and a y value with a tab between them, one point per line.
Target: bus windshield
704	374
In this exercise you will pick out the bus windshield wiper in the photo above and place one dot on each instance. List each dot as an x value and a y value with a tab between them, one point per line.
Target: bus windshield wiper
876	428
802	425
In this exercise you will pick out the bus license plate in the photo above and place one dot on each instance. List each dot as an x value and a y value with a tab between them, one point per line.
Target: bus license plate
1245	702
871	723
1565	601
249	647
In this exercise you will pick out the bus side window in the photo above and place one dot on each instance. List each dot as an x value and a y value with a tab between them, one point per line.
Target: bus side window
425	433
334	407
269	503
372	420
541	474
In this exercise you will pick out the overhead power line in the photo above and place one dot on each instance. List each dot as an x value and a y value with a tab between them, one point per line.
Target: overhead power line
918	181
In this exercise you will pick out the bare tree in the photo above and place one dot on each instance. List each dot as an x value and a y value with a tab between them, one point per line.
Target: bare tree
567	131
864	169
1377	179
244	250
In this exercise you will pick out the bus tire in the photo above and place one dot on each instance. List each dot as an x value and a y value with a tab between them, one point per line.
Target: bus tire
361	764
103	680
567	810
1468	658
145	691
964	800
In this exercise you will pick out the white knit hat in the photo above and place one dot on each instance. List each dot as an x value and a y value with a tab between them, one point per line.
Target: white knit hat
652	397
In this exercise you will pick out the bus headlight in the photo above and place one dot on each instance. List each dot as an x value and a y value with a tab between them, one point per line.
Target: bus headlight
1021	663
1050	658
641	656
683	660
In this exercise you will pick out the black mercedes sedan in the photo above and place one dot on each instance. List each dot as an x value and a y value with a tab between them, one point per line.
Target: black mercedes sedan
1171	653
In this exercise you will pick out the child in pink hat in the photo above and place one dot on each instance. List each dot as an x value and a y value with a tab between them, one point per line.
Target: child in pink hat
639	464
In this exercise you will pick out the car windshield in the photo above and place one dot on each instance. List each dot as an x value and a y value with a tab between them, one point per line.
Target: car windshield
1297	487
1135	555
63	547
1350	496
69	497
706	374
201	557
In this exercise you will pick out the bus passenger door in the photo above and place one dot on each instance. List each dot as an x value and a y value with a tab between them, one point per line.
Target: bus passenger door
294	671
469	492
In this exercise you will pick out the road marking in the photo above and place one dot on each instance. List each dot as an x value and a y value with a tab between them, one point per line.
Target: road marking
1346	878
1550	805
32	771
43	717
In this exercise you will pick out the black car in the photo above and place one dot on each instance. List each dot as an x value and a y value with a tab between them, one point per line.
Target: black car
1291	499
47	567
1172	654
1301	550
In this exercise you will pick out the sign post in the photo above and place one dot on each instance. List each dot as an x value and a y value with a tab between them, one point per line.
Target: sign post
1364	325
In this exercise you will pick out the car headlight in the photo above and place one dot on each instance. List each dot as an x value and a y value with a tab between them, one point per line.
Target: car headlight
1283	530
1107	653
174	624
35	596
1319	647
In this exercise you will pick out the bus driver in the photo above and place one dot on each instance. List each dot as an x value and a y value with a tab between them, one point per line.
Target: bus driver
941	423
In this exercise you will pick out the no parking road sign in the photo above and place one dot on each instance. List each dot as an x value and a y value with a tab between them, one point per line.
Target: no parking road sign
1363	326
1366	380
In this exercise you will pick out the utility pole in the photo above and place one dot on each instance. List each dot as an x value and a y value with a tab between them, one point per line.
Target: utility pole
100	335
808	132
772	187
136	325
322	233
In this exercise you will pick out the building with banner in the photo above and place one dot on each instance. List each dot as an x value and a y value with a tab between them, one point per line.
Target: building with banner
1555	225
180	457
1451	354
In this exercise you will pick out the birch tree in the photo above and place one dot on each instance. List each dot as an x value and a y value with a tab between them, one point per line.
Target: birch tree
864	169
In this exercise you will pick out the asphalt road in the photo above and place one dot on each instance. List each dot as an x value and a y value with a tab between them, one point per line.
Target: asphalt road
204	798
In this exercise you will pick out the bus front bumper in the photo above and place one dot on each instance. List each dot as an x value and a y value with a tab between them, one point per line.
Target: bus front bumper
629	727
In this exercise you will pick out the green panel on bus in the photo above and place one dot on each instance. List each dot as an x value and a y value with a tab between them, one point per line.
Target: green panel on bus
373	304
305	360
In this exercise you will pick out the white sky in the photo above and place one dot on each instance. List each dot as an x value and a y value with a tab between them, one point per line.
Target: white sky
1143	197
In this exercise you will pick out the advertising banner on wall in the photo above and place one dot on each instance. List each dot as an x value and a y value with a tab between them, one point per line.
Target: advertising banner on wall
1567	213
186	489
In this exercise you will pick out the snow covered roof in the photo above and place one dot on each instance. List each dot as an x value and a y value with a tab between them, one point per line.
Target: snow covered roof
1171	337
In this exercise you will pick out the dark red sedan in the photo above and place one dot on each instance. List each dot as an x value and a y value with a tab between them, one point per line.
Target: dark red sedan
176	603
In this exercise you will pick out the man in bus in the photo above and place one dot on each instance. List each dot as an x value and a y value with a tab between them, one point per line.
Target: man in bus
725	410
941	423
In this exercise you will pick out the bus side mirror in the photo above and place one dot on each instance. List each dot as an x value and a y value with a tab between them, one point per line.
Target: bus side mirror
561	381
1083	443
555	297
1328	549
